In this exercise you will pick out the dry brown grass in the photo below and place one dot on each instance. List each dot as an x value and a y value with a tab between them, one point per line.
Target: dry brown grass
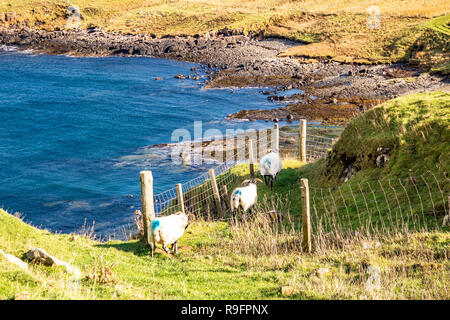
401	266
101	272
337	29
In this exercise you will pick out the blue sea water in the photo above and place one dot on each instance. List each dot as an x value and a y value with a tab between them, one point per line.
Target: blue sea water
72	131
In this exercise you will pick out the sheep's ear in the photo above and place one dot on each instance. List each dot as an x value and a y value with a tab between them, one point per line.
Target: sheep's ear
245	181
258	180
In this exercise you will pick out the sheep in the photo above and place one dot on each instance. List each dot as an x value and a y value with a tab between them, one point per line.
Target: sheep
269	167
244	197
167	230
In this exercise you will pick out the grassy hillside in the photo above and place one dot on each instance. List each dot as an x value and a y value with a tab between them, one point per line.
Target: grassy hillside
416	129
331	28
253	259
219	261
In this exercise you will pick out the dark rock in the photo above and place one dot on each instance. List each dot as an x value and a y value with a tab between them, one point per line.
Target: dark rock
348	173
276	98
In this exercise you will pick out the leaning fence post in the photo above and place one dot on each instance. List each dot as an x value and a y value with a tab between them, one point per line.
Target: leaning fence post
276	131
251	158
306	219
180	197
216	192
148	209
302	140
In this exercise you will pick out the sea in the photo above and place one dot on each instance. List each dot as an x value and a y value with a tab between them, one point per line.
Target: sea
75	133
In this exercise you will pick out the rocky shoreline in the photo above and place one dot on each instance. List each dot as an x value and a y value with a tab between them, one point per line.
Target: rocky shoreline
331	92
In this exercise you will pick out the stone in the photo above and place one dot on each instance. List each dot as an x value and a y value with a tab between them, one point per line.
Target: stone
14	260
382	160
288	291
348	173
38	255
41	257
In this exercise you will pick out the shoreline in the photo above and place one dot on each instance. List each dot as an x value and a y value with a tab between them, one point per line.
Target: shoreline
232	59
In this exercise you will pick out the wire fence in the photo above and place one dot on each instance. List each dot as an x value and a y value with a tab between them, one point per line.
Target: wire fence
356	208
385	206
198	193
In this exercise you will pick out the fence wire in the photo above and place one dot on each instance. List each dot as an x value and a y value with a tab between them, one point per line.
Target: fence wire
386	206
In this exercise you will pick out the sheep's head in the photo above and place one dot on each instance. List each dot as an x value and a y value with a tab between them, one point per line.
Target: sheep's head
189	217
251	181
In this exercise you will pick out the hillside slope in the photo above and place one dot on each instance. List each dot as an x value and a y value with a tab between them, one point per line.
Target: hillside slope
355	31
255	258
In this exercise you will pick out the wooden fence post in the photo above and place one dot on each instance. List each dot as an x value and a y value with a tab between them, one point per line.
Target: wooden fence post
302	140
306	218
180	197
216	192
251	158
148	208
225	196
276	131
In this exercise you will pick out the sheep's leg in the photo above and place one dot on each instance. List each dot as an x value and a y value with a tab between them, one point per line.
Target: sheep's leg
175	244
271	184
152	248
233	214
166	249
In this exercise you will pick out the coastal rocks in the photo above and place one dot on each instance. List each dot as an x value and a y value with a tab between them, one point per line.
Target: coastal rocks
276	98
233	59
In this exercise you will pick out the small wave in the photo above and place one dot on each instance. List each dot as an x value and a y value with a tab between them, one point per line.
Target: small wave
6	48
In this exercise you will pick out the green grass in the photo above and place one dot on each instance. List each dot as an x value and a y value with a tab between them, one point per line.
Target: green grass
253	259
413	267
415	127
431	49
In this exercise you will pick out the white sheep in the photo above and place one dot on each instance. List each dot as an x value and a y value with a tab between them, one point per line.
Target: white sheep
244	197
167	230
269	167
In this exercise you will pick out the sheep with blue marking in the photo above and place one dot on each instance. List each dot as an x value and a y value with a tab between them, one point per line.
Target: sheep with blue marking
244	197
167	230
269	167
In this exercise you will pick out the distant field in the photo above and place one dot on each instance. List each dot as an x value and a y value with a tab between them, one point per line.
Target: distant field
334	29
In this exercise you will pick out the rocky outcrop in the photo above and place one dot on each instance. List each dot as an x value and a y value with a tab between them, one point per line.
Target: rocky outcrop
39	256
